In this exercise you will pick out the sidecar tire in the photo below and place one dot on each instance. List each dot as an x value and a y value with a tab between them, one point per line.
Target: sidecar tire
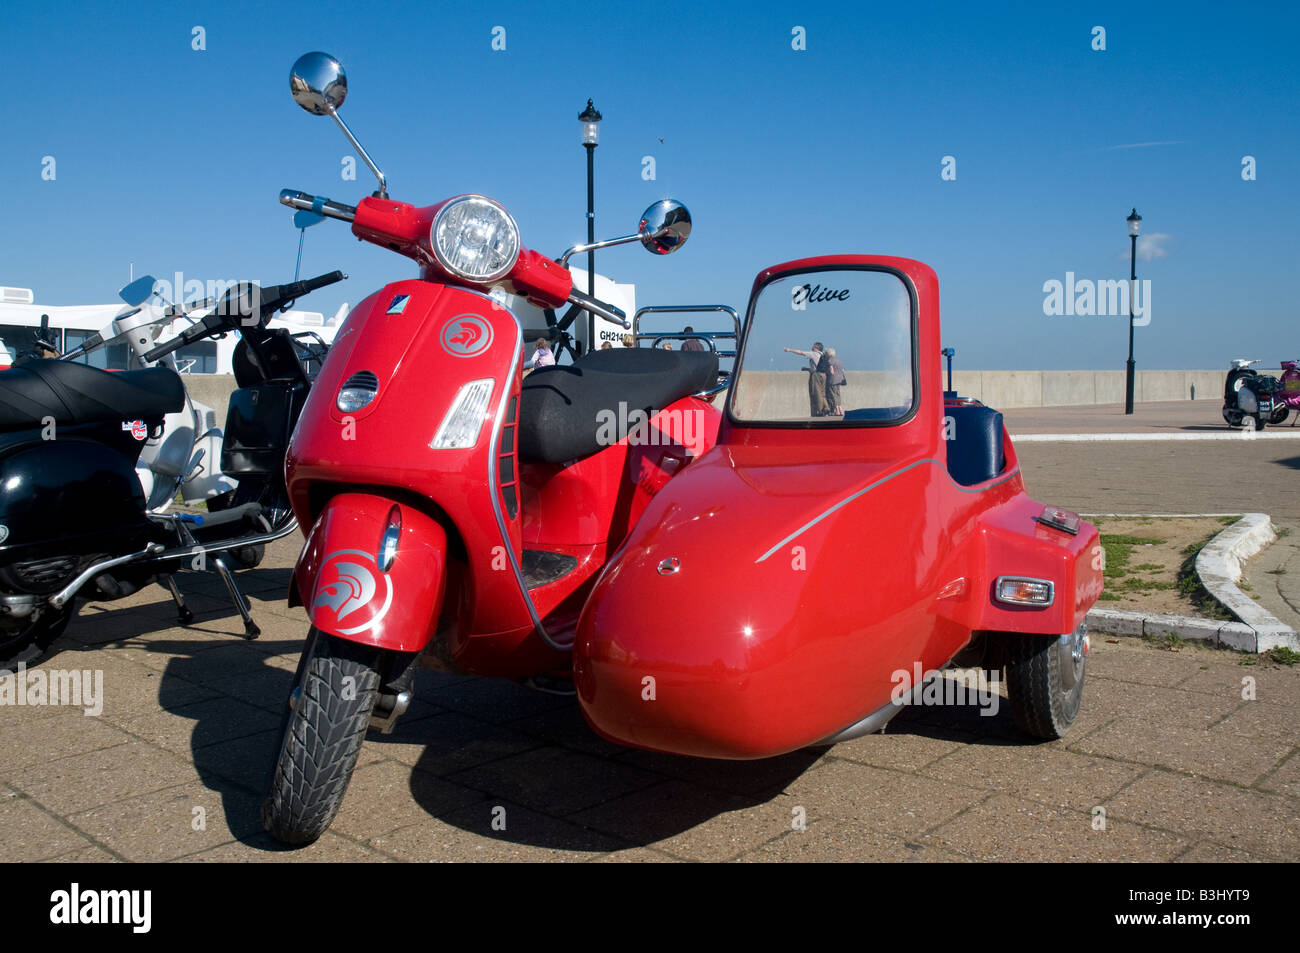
321	741
1279	415
1044	691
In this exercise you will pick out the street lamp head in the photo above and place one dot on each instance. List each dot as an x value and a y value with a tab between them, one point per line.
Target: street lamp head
590	119
1134	223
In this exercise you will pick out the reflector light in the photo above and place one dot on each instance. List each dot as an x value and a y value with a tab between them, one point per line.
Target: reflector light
1057	518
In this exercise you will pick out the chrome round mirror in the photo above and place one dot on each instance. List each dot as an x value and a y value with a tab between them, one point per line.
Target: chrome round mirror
665	226
318	83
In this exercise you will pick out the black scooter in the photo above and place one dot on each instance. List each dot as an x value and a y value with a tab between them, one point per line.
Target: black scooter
73	518
1249	397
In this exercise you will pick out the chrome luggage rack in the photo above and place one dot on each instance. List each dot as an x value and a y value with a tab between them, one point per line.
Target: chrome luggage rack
708	337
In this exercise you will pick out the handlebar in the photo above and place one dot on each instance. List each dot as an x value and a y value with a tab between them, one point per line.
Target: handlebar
318	204
607	311
233	317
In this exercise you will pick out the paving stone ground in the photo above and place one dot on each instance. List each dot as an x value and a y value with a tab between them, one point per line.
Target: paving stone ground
1183	766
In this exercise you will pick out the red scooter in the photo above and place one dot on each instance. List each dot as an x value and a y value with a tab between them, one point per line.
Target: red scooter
731	583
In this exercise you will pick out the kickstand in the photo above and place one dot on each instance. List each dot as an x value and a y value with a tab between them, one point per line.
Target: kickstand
182	610
251	631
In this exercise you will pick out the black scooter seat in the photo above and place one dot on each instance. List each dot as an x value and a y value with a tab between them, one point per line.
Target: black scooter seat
560	412
78	393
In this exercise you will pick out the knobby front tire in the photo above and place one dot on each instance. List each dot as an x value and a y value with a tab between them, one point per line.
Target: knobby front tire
321	740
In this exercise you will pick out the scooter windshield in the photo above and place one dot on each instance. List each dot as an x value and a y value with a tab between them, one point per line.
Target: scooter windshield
827	348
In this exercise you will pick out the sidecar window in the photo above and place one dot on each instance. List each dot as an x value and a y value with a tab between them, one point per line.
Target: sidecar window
861	374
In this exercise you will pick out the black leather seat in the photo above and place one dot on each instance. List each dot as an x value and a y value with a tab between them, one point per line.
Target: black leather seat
560	409
77	393
975	452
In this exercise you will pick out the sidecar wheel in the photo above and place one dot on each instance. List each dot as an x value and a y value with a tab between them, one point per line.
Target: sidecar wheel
321	739
1045	681
1279	415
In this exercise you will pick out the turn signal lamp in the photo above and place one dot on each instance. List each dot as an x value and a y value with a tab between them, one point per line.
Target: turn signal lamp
460	428
1023	591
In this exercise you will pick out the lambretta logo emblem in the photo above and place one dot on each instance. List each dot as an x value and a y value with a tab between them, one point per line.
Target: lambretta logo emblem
77	906
347	587
398	305
466	335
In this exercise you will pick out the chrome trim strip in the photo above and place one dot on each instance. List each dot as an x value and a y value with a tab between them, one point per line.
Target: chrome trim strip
873	722
885	479
494	486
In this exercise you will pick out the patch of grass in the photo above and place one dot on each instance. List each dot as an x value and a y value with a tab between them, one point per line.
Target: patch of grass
1189	584
1246	586
1148	567
1283	532
1248	660
1119	550
1283	655
1228	520
1132	584
1276	572
1108	596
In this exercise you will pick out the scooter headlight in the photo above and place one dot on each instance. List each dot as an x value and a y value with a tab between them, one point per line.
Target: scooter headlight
475	238
460	427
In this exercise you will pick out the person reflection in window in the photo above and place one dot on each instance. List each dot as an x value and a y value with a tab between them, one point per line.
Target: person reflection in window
817	406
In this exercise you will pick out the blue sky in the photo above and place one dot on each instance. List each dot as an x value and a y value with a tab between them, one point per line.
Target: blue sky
171	158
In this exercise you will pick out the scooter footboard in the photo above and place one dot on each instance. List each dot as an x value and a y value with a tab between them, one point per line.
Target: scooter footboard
373	571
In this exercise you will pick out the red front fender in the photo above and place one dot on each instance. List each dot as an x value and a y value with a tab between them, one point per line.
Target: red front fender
345	592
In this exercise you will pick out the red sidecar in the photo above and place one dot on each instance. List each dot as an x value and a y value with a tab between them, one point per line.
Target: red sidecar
797	582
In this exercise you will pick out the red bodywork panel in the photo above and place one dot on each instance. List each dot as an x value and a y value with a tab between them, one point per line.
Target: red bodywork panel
814	564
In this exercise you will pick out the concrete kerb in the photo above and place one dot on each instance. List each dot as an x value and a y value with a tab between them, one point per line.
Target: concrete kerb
1219	568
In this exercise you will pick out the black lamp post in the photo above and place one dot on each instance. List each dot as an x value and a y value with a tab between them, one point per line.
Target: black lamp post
590	119
1134	223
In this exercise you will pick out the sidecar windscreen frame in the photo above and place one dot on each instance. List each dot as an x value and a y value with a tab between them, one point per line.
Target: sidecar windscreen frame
865	417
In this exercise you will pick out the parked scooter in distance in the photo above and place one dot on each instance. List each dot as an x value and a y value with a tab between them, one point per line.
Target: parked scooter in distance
1248	396
1287	399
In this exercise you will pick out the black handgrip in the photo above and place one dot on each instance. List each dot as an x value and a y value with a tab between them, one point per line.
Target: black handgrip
275	295
162	350
188	336
308	285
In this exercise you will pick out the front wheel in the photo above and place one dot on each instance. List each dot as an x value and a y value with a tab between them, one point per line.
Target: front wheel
335	693
1045	681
